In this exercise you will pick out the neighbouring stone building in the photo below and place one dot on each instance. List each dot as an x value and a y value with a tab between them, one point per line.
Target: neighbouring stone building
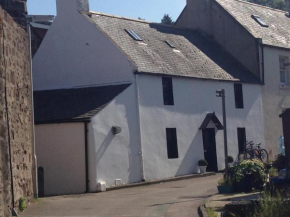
16	134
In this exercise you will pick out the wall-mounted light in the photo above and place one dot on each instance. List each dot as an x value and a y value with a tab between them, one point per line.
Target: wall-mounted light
116	130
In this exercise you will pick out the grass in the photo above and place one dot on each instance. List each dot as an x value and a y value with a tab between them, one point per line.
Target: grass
211	212
22	204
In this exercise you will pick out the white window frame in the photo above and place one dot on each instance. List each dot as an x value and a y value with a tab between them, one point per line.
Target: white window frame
283	70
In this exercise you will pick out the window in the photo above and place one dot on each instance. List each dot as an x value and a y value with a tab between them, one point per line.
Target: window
283	70
133	35
242	139
259	20
169	44
239	99
167	91
172	149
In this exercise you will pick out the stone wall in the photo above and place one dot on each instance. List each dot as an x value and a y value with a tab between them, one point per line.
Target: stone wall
15	115
17	9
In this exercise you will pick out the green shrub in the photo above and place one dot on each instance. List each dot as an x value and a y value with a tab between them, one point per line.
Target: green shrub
272	207
22	204
248	174
202	162
230	159
211	212
225	182
280	162
273	172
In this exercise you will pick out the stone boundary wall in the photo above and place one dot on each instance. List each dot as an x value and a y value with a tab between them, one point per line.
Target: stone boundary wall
15	115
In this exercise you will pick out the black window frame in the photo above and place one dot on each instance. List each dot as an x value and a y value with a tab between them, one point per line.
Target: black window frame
167	86
172	145
239	96
242	138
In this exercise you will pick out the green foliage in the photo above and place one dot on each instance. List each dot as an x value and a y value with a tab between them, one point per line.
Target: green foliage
35	200
225	182
248	174
272	206
280	162
273	172
167	20
202	162
230	159
22	204
211	212
277	4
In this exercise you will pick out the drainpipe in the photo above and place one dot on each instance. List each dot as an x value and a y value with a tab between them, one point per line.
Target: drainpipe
139	126
32	111
87	157
263	64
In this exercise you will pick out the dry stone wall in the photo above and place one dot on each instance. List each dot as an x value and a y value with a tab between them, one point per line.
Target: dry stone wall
15	115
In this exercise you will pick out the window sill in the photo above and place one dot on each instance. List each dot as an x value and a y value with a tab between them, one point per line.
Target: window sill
284	86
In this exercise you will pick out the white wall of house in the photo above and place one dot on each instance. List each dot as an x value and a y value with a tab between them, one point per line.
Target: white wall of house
60	150
75	53
193	99
115	156
276	98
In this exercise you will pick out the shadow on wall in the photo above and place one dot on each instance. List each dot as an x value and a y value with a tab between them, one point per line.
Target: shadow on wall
134	170
107	141
193	154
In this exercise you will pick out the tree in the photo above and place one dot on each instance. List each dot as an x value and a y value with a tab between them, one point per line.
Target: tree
167	20
277	4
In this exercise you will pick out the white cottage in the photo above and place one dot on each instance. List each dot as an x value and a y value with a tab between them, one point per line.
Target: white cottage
123	100
259	38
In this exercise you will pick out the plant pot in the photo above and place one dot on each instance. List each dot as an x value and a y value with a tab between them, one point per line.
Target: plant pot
225	189
202	169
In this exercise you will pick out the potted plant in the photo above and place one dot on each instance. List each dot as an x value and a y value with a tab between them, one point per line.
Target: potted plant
202	165
230	160
225	186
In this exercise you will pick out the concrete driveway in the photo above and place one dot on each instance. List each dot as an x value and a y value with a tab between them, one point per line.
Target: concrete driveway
178	198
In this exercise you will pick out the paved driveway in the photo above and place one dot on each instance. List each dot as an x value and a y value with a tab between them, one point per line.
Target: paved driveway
178	198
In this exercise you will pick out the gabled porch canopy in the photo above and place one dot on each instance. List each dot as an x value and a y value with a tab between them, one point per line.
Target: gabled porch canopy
211	117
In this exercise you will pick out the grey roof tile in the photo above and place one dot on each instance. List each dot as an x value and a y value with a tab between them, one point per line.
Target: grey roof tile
195	54
73	104
278	32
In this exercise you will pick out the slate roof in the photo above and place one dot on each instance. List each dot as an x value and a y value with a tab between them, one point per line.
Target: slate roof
73	104
278	32
195	54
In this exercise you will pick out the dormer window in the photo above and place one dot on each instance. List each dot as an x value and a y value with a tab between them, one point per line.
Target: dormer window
259	20
133	35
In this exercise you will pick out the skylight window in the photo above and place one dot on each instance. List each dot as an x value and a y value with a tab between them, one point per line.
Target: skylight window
259	20
169	44
133	35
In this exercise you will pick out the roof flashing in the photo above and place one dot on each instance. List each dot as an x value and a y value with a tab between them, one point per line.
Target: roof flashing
259	20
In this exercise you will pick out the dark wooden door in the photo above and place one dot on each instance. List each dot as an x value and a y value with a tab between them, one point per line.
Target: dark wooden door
209	147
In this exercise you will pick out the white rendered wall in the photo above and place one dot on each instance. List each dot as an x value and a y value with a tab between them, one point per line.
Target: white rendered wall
115	156
60	150
193	99
75	53
275	98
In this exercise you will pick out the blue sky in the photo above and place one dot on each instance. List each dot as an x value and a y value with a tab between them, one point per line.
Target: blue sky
151	10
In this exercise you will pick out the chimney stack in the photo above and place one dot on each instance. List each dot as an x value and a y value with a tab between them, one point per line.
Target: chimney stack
66	7
17	9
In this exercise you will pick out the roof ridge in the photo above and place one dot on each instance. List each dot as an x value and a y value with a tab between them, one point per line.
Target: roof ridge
262	6
119	17
139	21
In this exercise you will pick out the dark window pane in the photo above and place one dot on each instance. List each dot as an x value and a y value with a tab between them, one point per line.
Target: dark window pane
239	99
241	139
167	91
172	149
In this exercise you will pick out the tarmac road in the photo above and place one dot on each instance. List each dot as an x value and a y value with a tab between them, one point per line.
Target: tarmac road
178	198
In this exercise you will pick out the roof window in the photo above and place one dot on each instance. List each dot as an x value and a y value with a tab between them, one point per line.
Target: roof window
259	20
133	35
169	44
